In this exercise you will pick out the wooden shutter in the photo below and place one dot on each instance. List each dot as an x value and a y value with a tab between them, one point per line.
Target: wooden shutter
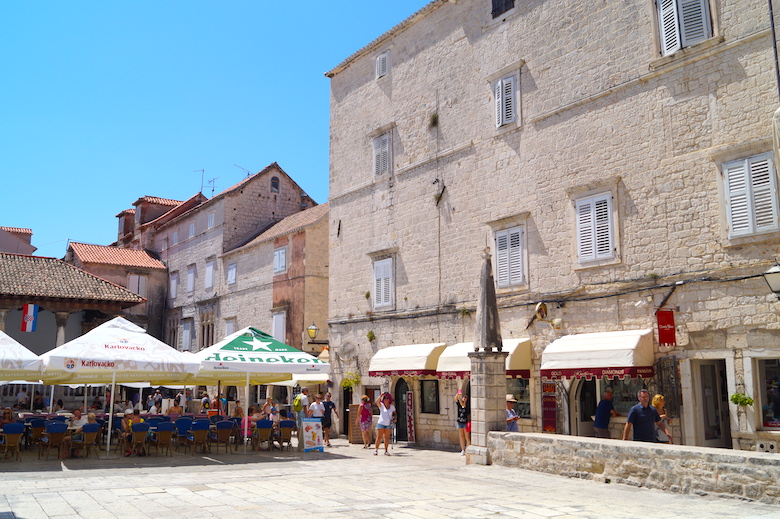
383	283
382	154
694	21
505	101
751	195
381	65
670	31
594	228
509	257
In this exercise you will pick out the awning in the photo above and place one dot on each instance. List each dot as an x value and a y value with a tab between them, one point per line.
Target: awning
608	354
455	363
410	360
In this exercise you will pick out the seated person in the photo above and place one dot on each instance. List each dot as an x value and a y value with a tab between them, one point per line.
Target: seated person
175	409
131	416
77	435
58	406
8	417
238	411
97	404
37	403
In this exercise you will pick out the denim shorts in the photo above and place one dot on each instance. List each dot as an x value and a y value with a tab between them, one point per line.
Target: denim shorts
461	425
380	426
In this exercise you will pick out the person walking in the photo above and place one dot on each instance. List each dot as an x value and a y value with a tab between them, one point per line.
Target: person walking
327	419
511	415
363	420
659	402
604	411
641	418
462	402
387	418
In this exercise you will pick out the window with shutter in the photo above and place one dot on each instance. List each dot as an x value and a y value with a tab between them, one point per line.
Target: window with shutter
501	6
509	257
751	195
191	278
209	274
231	274
683	23
186	335
382	156
595	228
505	105
382	64
280	260
174	284
383	283
278	326
137	283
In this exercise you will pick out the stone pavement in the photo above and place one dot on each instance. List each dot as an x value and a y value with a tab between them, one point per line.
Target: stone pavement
345	481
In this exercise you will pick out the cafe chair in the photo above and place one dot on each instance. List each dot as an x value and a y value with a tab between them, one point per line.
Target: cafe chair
262	433
52	437
224	429
198	435
140	431
163	435
216	418
10	439
182	426
35	432
89	438
286	428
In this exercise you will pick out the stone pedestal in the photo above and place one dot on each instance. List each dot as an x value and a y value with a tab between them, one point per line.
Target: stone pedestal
488	401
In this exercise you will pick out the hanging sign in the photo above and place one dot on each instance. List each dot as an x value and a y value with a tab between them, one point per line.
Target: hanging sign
667	333
410	416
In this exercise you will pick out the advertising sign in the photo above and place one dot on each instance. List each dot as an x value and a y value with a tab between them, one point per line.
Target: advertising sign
549	408
410	416
312	435
667	334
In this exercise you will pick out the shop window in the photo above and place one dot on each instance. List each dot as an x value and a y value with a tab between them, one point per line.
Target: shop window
373	392
429	396
623	392
769	397
518	387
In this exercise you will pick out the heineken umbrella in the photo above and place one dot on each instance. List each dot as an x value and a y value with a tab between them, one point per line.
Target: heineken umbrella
16	361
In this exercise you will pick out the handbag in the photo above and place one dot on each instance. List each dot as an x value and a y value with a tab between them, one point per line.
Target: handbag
468	426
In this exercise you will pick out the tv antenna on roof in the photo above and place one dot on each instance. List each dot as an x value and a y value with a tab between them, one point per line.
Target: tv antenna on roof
203	180
248	173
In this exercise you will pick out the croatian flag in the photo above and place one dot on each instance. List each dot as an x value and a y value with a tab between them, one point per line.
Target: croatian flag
29	317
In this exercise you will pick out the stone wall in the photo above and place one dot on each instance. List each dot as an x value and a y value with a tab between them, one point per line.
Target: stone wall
673	468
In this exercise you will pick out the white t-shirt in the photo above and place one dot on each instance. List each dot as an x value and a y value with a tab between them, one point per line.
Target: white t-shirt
317	409
80	422
386	414
153	409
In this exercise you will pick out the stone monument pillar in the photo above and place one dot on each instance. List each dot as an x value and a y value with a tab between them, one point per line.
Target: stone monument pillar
488	370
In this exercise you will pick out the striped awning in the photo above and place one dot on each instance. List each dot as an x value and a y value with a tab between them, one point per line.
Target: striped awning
455	363
622	354
409	360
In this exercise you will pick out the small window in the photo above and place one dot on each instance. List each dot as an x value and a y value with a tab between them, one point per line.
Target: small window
509	257
278	326
502	6
595	236
382	64
274	184
174	284
209	274
210	222
382	154
231	274
383	283
137	283
191	278
751	195
192	230
280	260
505	100
429	397
175	237
769	394
230	326
683	23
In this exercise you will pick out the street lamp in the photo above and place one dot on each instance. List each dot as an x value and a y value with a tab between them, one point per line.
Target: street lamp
312	331
772	278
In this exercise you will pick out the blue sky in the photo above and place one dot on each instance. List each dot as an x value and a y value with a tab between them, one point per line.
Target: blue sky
104	102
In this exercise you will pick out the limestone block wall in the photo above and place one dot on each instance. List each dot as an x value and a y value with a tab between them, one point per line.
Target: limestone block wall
673	468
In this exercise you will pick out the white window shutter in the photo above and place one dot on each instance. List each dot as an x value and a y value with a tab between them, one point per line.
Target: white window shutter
694	21
502	258
381	65
508	94
174	285
383	283
670	30
141	286
509	257
382	154
209	274
499	105
762	181
603	227
595	228
586	249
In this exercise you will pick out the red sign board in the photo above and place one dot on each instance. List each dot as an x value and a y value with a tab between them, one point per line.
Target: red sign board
410	416
549	408
667	334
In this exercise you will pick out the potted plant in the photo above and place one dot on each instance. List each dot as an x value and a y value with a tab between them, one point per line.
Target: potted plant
741	399
351	380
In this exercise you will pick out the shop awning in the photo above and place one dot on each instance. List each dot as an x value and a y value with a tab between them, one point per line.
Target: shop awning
409	360
455	363
621	354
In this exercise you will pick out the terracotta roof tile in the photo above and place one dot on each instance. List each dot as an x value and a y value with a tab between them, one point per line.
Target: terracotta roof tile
17	230
158	200
37	276
107	255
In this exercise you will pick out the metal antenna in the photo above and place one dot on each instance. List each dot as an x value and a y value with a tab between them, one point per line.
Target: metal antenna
248	173
212	182
202	173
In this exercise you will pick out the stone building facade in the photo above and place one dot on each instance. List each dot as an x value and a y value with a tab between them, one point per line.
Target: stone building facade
615	164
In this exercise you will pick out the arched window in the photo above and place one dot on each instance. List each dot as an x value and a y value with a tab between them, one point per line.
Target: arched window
274	184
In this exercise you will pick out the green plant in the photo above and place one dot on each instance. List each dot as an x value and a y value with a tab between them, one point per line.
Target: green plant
368	294
741	399
653	275
371	336
433	121
465	312
350	380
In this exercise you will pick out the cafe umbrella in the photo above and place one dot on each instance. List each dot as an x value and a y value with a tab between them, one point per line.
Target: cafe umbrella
16	361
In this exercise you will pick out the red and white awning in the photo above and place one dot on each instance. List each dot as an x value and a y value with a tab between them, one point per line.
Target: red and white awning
455	363
620	354
413	360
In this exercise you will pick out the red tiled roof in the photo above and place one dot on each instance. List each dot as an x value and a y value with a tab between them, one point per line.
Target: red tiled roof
40	277
293	223
157	200
108	255
17	230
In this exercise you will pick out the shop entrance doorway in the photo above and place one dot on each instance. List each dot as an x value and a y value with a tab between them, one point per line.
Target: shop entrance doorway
401	387
585	395
713	410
